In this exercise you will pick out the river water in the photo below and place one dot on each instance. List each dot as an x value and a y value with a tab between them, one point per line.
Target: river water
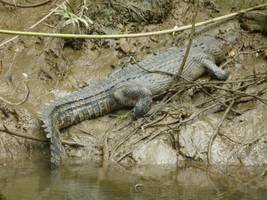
34	180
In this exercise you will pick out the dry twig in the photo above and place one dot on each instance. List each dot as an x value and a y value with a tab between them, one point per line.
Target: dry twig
25	83
25	6
34	25
190	41
42	140
213	137
264	101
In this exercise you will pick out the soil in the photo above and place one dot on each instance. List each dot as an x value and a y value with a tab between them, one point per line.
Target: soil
56	67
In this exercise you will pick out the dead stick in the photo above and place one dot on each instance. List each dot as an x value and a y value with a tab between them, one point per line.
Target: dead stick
43	140
34	25
217	130
6	130
264	101
207	93
20	102
223	95
191	37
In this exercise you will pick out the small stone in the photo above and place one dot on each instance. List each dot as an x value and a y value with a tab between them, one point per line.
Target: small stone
124	45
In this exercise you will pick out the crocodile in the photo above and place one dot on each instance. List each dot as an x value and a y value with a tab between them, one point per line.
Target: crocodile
133	86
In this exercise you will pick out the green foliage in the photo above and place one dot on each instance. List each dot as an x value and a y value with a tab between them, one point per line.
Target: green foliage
74	13
122	116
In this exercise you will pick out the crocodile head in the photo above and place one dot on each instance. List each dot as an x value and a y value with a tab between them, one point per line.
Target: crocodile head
219	45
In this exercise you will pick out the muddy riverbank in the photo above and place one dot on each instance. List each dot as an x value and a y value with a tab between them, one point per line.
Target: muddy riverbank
55	67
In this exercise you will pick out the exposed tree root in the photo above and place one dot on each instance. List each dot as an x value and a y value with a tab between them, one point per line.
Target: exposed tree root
42	140
20	102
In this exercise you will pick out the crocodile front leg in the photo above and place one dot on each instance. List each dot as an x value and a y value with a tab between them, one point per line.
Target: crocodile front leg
136	95
214	70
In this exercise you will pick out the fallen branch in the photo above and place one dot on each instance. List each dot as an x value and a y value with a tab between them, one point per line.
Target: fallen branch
6	130
42	140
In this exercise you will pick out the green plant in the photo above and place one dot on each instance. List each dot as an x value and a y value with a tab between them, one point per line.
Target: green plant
74	13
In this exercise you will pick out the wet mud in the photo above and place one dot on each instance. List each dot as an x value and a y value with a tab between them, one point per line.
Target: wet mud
56	67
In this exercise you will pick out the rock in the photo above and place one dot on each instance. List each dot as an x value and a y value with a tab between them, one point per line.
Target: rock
124	45
250	131
194	138
156	152
242	140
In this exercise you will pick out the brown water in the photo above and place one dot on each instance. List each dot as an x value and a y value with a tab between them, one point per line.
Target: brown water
35	181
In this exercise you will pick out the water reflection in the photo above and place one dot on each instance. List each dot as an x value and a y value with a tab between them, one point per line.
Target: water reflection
34	181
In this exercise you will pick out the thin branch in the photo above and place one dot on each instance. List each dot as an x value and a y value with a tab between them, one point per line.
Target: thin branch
151	124
241	81
42	140
20	102
264	101
217	130
25	6
190	41
133	35
192	117
35	24
6	130
207	93
151	71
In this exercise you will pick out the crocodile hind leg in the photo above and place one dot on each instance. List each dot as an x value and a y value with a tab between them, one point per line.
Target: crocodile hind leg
136	95
214	70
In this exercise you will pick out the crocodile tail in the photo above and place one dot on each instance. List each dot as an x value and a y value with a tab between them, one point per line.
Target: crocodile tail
48	116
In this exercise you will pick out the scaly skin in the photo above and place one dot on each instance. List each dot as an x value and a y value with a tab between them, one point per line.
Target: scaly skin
133	86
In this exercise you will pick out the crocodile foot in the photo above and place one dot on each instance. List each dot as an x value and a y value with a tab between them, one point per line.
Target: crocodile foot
255	21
